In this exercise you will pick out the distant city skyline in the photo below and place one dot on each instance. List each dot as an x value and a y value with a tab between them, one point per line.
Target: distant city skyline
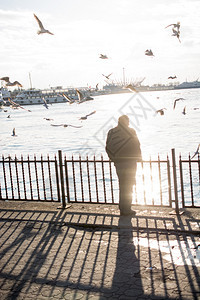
122	30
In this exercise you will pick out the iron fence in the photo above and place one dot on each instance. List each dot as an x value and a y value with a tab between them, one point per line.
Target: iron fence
91	180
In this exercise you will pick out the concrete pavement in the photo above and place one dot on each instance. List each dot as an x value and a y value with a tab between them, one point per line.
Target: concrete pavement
90	252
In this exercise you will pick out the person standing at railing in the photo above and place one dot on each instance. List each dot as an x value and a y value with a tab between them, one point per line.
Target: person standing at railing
123	148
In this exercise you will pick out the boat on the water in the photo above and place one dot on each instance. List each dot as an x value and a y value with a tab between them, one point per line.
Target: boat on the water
37	96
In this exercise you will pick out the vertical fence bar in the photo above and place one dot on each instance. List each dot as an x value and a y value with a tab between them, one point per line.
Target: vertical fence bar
181	181
50	182
36	177
96	182
62	178
43	180
169	182
30	180
160	180
4	175
153	202
103	177
88	176
191	183
57	178
143	181
11	180
17	176
74	179
111	182
67	180
23	177
81	178
175	181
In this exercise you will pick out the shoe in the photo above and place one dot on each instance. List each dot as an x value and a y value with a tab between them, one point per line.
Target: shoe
129	213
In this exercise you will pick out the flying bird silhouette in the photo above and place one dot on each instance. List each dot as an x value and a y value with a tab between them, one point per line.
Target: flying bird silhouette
149	52
160	111
42	29
8	83
184	111
172	77
48	119
45	103
82	98
178	99
177	34
16	105
177	25
196	152
70	100
103	56
85	117
66	125
107	76
131	88
13	133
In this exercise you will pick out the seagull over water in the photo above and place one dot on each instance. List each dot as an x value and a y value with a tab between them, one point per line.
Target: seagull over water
160	111
178	99
197	152
131	88
8	83
172	77
42	29
107	76
66	125
149	52
85	117
103	56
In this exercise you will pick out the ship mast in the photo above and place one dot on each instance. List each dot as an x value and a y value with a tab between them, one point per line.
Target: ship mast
124	76
30	80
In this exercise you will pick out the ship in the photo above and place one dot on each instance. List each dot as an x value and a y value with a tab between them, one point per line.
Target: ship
34	96
188	85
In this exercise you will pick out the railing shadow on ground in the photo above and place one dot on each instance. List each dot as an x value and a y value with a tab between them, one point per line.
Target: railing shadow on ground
65	255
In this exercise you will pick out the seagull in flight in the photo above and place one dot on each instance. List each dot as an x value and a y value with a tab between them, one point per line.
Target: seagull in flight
176	33
13	133
160	111
131	88
184	111
103	56
70	100
178	99
107	76
42	29
197	152
66	125
16	105
85	117
82	98
97	87
45	103
172	77
149	52
8	83
48	119
177	25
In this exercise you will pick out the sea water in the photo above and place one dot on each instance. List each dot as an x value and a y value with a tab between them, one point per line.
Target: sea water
158	134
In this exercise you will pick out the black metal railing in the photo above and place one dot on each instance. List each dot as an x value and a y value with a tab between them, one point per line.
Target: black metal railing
91	180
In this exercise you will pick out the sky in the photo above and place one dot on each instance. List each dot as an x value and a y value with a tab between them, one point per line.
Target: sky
84	29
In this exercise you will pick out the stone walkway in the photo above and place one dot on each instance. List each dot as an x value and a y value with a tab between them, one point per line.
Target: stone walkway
90	252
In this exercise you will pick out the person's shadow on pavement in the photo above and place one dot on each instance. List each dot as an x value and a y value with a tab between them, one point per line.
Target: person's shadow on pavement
127	272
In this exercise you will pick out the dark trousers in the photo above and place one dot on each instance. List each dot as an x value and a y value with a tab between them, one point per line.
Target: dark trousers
126	172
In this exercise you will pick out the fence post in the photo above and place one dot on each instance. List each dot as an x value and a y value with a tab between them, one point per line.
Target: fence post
61	178
175	181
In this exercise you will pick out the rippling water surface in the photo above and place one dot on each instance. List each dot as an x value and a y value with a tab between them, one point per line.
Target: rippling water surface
157	134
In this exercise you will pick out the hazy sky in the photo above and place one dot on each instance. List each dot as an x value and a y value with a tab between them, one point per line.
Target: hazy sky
121	29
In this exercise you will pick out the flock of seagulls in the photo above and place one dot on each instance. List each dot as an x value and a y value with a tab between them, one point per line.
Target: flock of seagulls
81	98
